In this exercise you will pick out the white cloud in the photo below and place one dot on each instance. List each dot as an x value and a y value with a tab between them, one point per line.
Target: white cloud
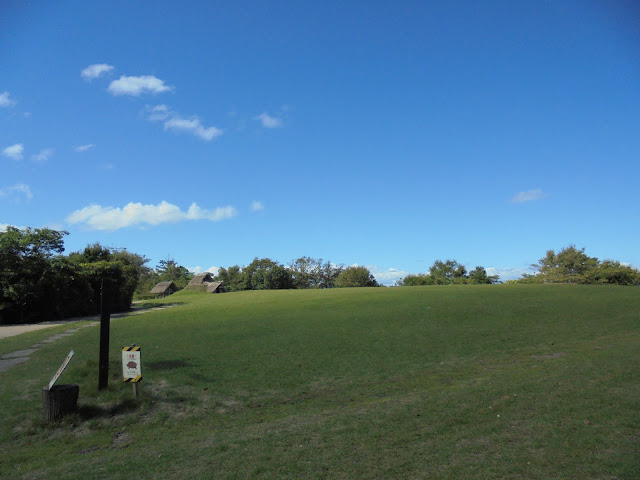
84	148
136	86
42	156
268	121
5	101
192	126
158	113
256	206
509	273
386	277
529	196
95	71
16	192
97	217
198	269
177	123
14	152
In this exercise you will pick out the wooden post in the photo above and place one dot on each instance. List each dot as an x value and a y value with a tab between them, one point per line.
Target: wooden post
135	389
59	401
105	321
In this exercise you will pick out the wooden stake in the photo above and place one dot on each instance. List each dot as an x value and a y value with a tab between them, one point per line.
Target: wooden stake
105	323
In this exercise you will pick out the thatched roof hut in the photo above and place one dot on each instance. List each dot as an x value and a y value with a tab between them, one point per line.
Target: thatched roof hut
215	287
201	279
164	288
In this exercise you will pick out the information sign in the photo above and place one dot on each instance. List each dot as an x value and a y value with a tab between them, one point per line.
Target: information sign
60	370
131	364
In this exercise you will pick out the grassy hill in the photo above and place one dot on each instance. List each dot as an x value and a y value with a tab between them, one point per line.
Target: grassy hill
467	382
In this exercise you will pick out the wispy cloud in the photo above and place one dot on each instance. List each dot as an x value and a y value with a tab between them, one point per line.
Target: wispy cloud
256	206
43	155
95	71
17	192
268	121
158	113
136	86
509	273
15	152
6	101
388	276
193	126
529	196
199	269
97	217
175	122
84	148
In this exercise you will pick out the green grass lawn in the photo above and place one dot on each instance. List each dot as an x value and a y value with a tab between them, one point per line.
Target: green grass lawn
460	382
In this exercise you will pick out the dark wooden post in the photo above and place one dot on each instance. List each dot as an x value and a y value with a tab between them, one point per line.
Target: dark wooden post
59	401
105	323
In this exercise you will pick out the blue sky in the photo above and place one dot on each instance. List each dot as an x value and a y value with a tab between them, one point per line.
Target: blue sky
384	134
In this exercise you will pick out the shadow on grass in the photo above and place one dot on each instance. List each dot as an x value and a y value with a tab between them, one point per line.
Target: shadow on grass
89	412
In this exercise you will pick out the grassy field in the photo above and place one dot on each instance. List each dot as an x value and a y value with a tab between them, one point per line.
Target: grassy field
468	382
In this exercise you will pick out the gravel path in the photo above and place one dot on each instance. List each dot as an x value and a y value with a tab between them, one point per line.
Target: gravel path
12	359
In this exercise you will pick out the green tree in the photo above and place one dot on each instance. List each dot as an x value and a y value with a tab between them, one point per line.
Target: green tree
265	274
479	276
169	270
231	278
447	272
356	277
415	280
309	272
117	272
613	272
570	265
25	256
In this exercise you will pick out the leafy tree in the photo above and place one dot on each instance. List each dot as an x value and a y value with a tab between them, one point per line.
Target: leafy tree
232	278
264	274
304	272
309	272
449	272
613	272
415	280
117	272
445	273
277	278
479	276
570	265
25	256
169	270
356	277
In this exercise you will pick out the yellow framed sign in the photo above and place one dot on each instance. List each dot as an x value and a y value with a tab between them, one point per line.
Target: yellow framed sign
131	364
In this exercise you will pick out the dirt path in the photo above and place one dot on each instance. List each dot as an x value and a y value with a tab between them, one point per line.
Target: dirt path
12	359
13	330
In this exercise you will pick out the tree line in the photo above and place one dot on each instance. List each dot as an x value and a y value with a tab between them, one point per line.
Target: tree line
38	283
302	273
264	274
569	265
449	272
572	265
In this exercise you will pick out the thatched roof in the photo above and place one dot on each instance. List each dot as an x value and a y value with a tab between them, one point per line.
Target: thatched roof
162	287
212	287
201	279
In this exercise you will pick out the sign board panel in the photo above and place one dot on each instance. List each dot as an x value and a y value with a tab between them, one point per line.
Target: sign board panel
60	370
131	364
